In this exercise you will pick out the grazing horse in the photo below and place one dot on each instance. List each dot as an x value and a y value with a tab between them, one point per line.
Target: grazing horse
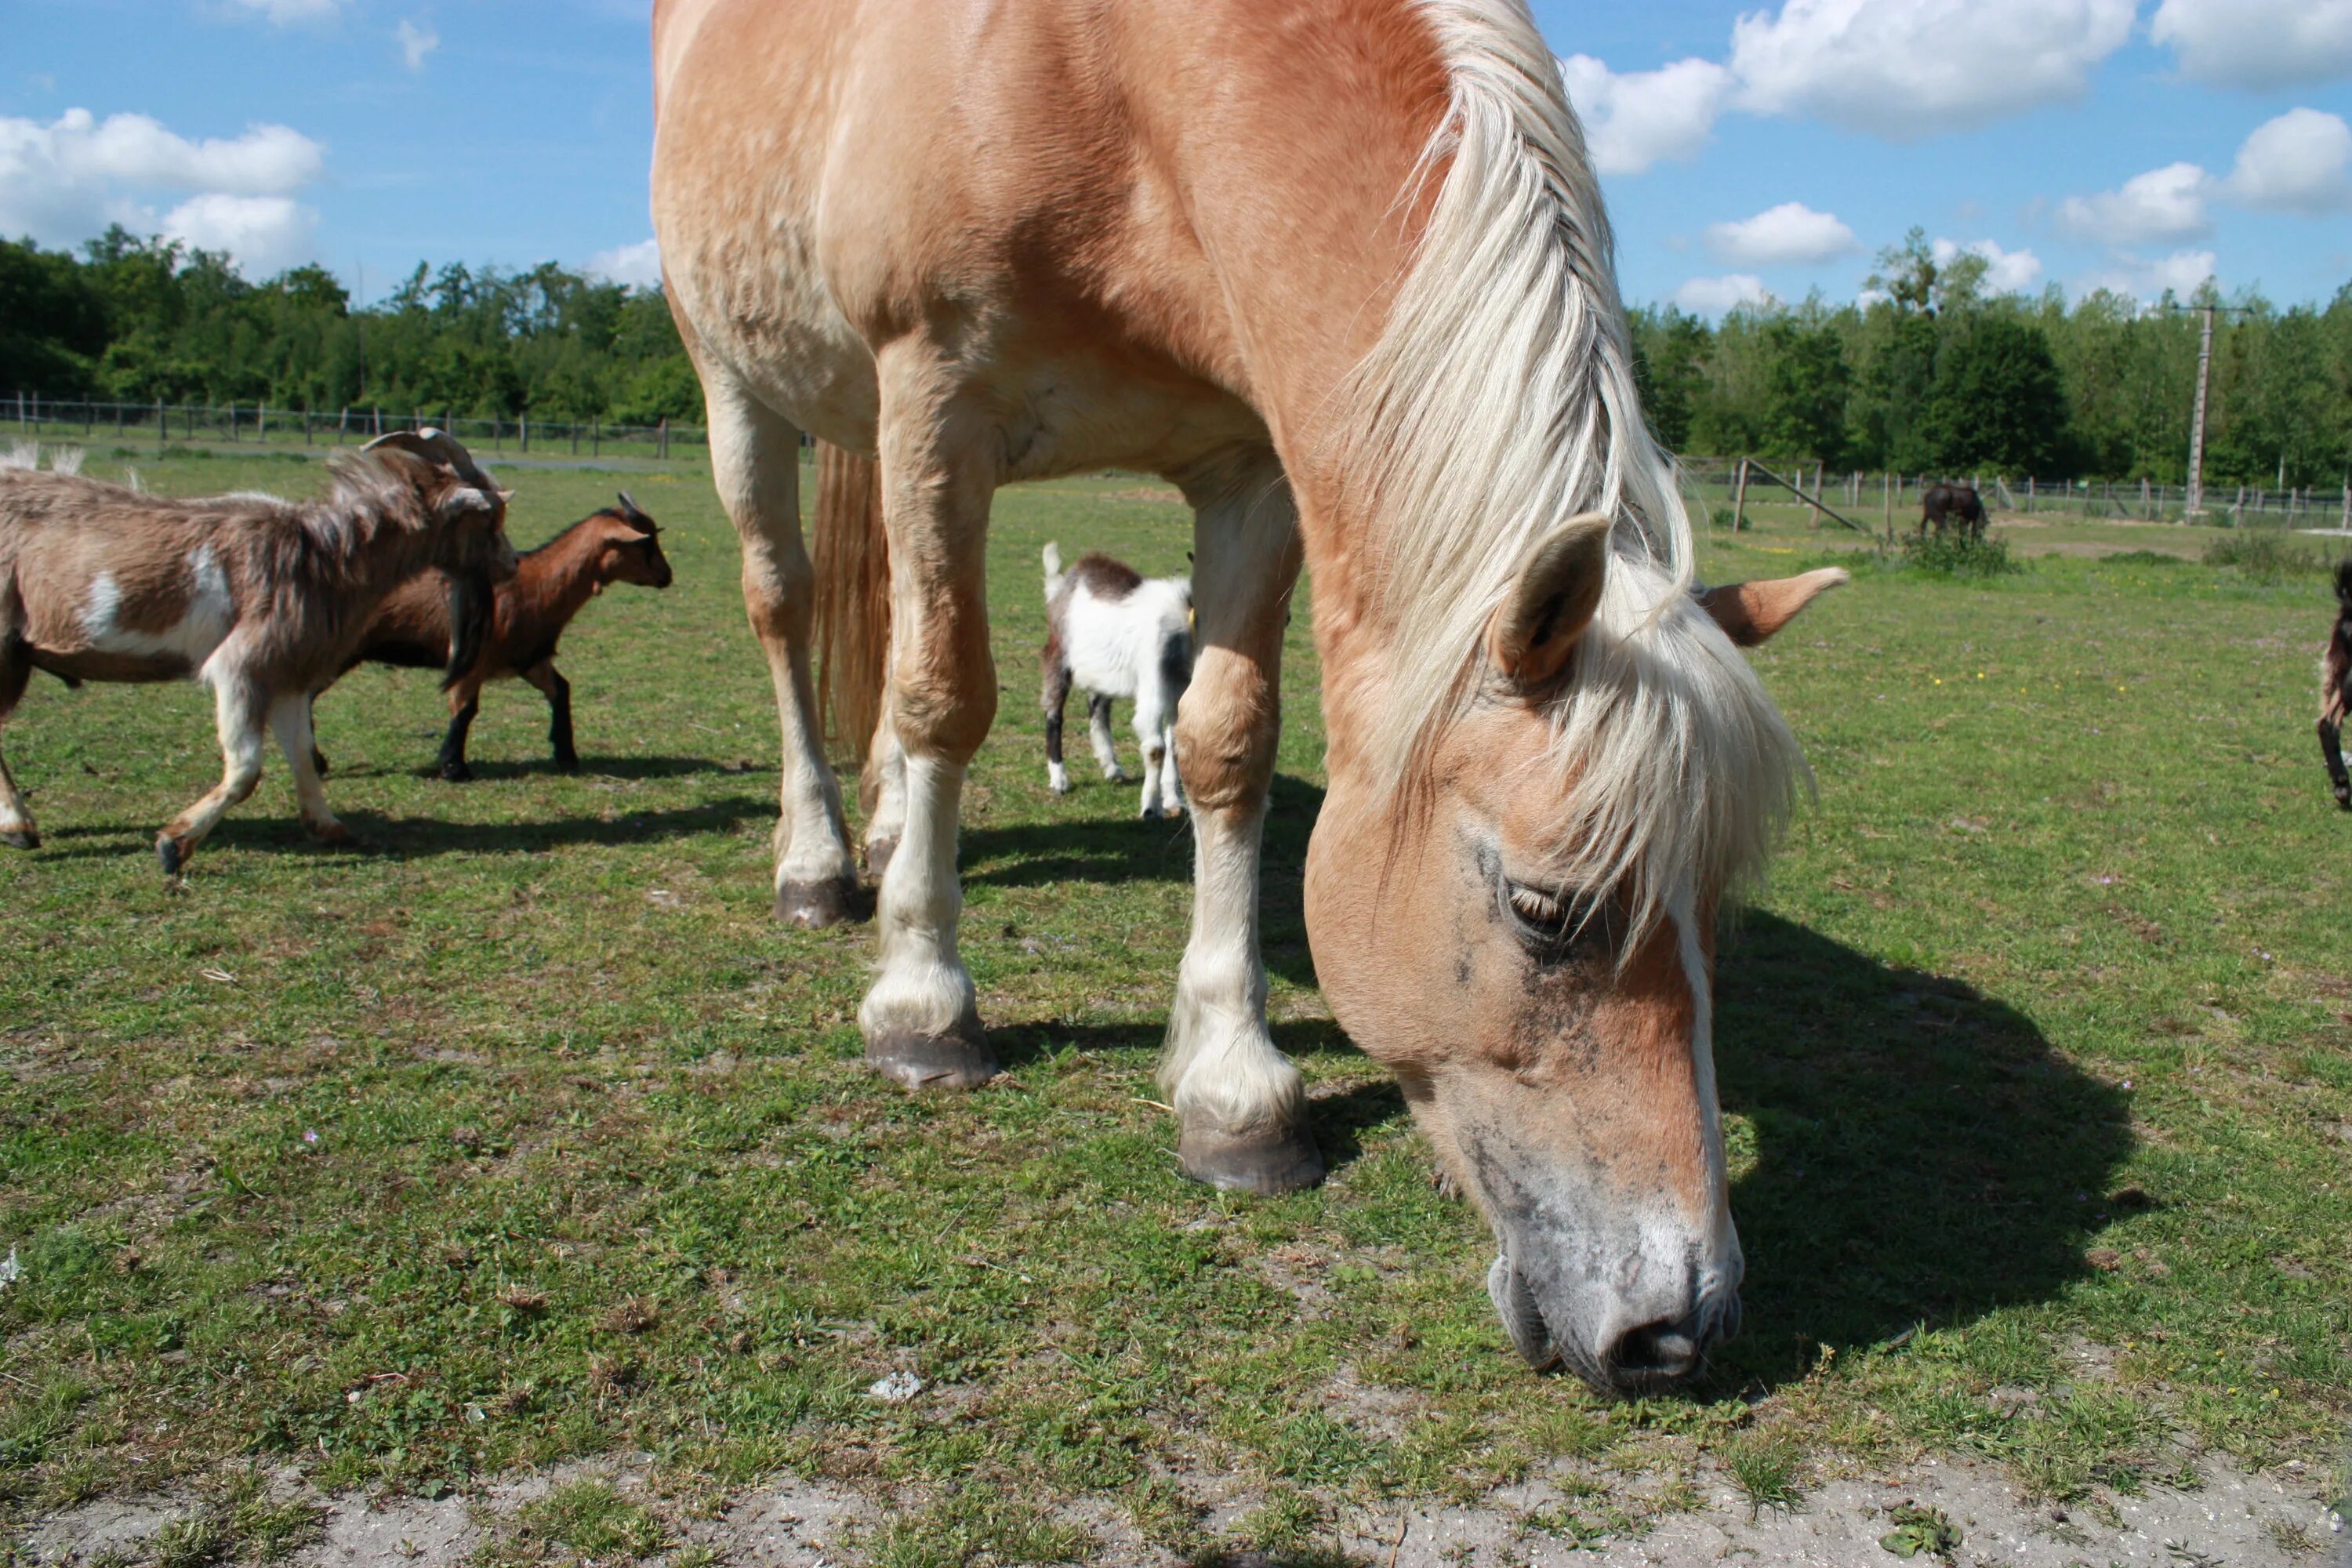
1338	270
1112	632
552	585
2335	687
1947	505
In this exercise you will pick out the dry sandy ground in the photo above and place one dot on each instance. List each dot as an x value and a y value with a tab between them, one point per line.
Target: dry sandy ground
2234	1518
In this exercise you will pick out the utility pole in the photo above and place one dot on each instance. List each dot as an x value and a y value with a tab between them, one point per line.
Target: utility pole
2196	422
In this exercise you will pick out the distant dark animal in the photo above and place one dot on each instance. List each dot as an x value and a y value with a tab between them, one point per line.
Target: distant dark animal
1947	506
550	586
1111	632
262	600
2335	687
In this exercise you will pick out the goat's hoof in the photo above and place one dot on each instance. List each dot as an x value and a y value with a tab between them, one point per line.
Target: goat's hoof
878	852
958	1059
457	772
21	839
1268	1163
814	906
172	853
2343	797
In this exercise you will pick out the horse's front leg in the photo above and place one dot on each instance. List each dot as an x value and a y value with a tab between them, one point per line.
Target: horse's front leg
1242	1102
921	1018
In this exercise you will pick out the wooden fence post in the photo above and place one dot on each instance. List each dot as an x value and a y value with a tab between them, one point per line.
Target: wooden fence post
1739	498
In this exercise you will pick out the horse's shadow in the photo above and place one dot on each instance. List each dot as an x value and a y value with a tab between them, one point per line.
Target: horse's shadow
419	837
1922	1155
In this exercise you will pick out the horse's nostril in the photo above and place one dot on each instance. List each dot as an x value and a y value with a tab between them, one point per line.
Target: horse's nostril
1657	1351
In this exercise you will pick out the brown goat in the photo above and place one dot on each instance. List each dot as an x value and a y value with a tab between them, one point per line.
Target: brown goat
550	586
2336	688
260	599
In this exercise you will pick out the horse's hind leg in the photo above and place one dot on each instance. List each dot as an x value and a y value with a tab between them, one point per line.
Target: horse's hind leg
882	791
1056	699
1105	744
1241	1102
17	829
921	1018
755	462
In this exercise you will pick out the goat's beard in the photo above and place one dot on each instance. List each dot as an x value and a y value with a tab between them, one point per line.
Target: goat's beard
471	600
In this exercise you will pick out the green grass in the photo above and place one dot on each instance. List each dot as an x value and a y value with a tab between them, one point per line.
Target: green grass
2033	1057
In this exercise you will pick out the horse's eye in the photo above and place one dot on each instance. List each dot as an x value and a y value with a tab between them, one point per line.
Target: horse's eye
1552	925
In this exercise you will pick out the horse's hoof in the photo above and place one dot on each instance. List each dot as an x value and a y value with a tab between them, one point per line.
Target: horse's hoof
958	1059
172	853
1268	1164
814	906
21	839
457	772
877	856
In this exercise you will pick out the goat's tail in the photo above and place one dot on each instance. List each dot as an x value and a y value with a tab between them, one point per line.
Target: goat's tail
1052	569
852	558
2344	583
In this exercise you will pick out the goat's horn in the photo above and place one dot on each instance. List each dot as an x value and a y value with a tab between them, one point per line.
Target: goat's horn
632	512
435	446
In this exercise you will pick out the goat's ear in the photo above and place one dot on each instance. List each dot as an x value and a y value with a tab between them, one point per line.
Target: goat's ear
1552	601
1750	612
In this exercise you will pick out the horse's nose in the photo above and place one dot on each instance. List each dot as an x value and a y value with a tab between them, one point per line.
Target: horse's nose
1666	1350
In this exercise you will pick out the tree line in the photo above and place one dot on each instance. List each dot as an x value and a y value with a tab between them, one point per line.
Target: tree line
1936	374
144	321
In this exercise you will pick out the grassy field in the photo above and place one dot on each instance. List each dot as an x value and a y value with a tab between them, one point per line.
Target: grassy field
521	1133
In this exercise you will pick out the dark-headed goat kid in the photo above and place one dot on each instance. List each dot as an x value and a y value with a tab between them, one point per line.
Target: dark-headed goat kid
262	600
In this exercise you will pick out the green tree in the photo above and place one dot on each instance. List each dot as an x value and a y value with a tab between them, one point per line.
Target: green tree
1997	400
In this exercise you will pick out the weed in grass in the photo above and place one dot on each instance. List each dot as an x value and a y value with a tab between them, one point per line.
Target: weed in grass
1286	1523
1957	554
1921	1532
975	1523
195	1540
2265	556
588	1518
1763	1466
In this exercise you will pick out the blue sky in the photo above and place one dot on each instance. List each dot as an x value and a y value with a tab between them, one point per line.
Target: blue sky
2129	142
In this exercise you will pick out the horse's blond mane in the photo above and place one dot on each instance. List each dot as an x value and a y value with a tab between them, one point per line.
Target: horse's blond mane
1500	401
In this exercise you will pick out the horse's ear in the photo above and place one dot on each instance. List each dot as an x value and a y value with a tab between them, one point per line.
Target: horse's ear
1550	601
1750	612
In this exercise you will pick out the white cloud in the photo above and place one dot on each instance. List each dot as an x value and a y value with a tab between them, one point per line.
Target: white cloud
282	12
2006	271
65	181
2182	273
266	234
416	43
1791	231
2167	203
1714	295
2301	161
2257	43
638	265
1906	69
1643	117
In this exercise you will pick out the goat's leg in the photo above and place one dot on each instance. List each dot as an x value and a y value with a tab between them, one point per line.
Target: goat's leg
921	1017
1057	698
885	791
317	757
1151	722
1098	730
465	701
1240	1101
755	463
2332	703
17	829
290	720
558	692
243	711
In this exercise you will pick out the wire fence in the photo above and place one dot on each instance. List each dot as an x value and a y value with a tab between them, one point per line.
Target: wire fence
50	419
1885	502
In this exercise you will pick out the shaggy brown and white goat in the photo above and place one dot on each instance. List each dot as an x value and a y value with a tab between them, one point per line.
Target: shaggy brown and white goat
260	599
2335	687
550	584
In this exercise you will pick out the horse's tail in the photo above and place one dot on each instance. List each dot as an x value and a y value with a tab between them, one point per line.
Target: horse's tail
852	557
2344	583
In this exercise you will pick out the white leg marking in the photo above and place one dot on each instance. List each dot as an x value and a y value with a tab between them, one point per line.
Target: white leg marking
1057	778
889	822
1221	1070
1106	749
290	721
241	714
921	985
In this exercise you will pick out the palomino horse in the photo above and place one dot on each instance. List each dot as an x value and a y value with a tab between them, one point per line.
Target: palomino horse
1336	268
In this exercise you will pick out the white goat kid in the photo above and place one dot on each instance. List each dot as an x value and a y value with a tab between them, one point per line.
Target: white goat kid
1113	632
